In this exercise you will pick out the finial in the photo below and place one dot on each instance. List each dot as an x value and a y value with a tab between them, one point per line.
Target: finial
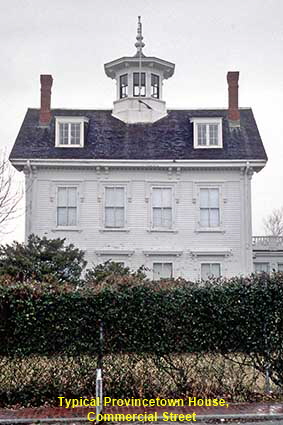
139	44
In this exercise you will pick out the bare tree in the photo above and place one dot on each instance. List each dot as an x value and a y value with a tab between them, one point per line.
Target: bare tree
11	193
273	223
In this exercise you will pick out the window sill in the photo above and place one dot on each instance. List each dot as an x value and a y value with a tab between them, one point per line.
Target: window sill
210	230
109	229
69	146
208	147
162	230
66	228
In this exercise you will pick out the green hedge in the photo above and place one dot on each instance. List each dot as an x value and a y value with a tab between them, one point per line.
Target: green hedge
236	315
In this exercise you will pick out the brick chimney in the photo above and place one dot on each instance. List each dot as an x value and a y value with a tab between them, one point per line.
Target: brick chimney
45	99
233	108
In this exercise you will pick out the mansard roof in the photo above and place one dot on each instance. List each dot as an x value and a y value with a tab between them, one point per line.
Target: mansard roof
171	137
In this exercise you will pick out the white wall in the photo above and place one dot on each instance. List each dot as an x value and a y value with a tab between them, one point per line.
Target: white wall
231	246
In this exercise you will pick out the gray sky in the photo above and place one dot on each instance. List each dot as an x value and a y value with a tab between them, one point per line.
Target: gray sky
72	39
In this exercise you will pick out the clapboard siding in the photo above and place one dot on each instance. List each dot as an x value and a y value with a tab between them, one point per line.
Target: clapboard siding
90	236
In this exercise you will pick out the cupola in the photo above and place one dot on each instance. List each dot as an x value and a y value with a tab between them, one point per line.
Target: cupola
139	81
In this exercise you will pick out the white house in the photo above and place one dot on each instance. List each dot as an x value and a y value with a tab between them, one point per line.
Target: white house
268	253
143	185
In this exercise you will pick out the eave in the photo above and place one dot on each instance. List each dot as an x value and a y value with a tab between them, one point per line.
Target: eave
252	164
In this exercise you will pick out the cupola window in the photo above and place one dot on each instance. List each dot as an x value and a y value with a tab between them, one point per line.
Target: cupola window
123	86
139	83
155	86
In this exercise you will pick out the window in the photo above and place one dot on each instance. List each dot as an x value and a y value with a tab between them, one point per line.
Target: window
123	86
162	271
155	86
210	270
207	132
209	207
139	83
67	206
280	267
115	207
162	207
70	131
261	267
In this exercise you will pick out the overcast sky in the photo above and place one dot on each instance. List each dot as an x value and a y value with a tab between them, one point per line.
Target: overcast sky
72	39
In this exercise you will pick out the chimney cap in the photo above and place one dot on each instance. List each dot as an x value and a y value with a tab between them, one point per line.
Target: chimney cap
233	76
46	79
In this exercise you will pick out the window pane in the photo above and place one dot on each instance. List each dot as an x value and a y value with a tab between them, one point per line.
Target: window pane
63	133
62	197
109	196
214	217
118	197
162	271
262	267
114	196
75	133
72	217
157	197
123	86
204	217
157	217
119	217
139	83
204	198
166	197
215	269
167	218
72	197
167	271
213	198
205	271
140	76
213	134
155	86
109	217
157	271
280	267
201	130
62	216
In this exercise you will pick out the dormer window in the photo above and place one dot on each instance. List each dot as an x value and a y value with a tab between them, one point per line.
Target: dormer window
139	84
69	132
207	133
155	86
123	86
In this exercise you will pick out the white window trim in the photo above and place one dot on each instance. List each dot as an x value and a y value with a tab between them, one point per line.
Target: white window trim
70	120
68	228
163	262
219	228
115	229
114	252
210	262
172	229
207	120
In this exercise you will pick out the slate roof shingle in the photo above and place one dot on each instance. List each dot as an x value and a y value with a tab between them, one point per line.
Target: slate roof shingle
109	138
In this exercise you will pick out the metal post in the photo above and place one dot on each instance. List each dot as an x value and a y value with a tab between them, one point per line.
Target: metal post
99	386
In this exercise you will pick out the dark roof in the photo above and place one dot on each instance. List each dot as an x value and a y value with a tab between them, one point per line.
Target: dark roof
109	138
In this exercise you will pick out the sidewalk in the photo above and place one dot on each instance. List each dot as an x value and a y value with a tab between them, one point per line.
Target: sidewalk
245	411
